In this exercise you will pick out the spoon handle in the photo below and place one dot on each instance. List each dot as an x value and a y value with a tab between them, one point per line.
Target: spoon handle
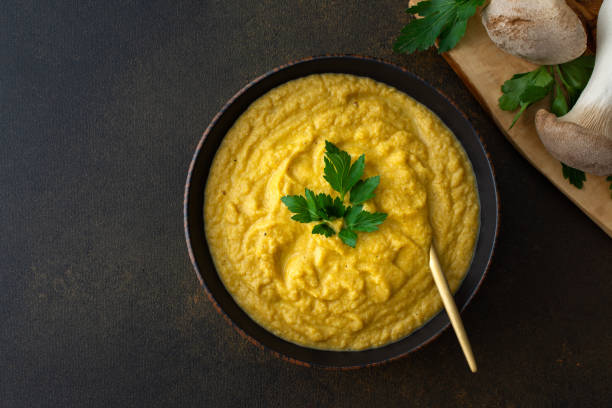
451	308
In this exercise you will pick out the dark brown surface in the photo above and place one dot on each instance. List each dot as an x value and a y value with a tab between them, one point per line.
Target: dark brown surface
102	106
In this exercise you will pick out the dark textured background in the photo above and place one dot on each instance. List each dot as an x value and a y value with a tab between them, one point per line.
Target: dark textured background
102	104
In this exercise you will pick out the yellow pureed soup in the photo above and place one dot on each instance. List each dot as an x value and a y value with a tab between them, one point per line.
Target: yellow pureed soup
317	291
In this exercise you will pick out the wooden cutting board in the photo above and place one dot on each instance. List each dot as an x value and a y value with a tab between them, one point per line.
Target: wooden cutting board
483	68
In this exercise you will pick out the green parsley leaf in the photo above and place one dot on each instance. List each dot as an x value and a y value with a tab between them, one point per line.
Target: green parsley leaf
575	75
558	105
512	90
314	207
338	170
332	208
443	19
359	220
337	209
524	89
609	178
298	205
322	202
364	190
326	203
574	176
323	229
348	237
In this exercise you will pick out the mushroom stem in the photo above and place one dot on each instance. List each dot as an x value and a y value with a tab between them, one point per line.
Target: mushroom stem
583	137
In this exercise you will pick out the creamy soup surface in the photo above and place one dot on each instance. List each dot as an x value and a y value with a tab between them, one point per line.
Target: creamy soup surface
313	290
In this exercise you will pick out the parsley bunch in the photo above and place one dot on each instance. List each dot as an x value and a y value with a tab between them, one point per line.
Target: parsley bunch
522	90
344	178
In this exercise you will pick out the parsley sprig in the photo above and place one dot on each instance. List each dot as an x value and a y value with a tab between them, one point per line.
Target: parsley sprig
442	19
570	78
522	90
344	178
574	176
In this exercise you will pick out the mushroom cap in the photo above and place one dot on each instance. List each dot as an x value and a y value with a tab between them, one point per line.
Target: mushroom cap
575	145
545	32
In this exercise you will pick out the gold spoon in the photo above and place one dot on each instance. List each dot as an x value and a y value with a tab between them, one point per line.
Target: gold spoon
451	308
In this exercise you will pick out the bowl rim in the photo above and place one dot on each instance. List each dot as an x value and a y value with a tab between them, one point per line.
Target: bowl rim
194	261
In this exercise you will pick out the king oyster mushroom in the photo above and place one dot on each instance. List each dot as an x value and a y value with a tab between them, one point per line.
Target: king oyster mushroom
583	137
544	32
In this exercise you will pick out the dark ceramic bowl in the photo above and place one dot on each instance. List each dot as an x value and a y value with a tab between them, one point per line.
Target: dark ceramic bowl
194	204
